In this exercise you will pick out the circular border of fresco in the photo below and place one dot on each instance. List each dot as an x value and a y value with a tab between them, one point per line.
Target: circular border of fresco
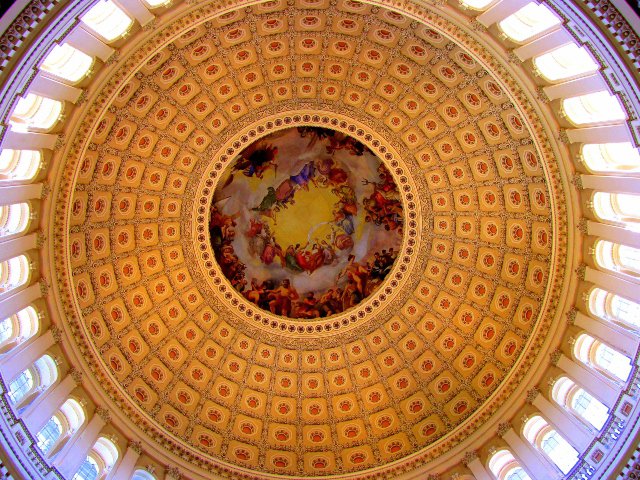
368	307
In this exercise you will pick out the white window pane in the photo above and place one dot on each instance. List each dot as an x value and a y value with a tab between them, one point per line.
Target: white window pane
529	21
593	108
565	62
107	20
611	157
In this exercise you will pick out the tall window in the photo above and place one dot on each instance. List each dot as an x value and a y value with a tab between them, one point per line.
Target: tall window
618	258
142	475
67	63
529	21
21	386
618	208
593	108
36	113
13	273
611	157
49	434
566	62
544	437
107	20
612	307
602	357
504	466
581	403
88	470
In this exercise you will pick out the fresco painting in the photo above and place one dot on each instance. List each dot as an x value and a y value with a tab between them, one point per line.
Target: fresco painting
306	222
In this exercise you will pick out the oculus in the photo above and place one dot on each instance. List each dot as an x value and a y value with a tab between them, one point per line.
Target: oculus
306	222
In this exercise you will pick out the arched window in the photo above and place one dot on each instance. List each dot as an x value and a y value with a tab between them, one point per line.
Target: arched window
103	456
67	63
13	273
17	328
593	108
610	157
612	307
568	61
19	164
142	475
88	470
504	466
477	4
529	21
36	113
580	402
32	381
156	3
546	439
49	434
107	20
618	208
618	258
62	425
602	357
14	218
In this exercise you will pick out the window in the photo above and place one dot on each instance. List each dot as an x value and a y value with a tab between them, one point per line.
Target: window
504	466
618	258
602	357
615	308
617	208
21	386
574	398
13	273
593	108
478	4
107	20
610	157
156	3
67	63
14	218
529	21
142	475
88	470
49	434
18	327
36	113
544	437
19	164
568	61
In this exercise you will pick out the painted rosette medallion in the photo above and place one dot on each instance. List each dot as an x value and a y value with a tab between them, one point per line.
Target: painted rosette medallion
306	222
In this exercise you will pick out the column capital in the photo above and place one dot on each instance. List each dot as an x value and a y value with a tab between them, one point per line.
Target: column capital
76	374
104	414
136	447
174	473
503	428
532	394
555	356
469	457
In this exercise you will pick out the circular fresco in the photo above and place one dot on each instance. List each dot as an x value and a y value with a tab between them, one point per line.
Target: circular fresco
306	222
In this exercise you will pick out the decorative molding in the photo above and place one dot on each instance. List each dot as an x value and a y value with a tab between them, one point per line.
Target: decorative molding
469	457
503	428
104	414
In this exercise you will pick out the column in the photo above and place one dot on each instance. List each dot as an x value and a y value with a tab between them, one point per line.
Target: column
29	140
542	45
16	361
604	134
74	453
613	234
500	11
623	342
575	432
50	88
87	43
23	298
613	284
22	193
575	88
596	385
16	246
611	184
474	464
38	413
128	463
529	458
